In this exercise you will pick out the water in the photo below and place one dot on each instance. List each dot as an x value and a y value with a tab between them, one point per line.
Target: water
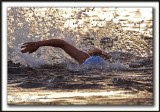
58	85
50	70
34	24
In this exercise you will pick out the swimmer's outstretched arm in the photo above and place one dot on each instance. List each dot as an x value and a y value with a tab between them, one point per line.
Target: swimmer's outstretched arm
78	55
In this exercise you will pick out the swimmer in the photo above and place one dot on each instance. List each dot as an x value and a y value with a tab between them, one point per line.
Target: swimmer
93	56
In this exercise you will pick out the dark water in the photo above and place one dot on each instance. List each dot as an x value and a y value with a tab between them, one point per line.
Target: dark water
56	84
65	84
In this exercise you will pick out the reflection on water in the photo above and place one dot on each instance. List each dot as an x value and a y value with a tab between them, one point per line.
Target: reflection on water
129	29
80	97
58	85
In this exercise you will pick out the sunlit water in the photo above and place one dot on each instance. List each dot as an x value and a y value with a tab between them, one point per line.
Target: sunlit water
129	28
79	26
79	98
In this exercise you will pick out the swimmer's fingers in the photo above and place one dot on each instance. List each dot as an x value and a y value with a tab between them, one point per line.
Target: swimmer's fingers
28	44
27	50
24	50
23	46
29	47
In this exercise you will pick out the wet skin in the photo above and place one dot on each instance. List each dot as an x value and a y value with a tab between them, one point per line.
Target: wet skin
75	53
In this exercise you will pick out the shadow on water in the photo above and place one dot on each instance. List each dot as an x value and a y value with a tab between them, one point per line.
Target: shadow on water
51	77
58	77
58	85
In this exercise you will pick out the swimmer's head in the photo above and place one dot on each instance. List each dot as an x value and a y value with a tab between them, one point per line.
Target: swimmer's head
94	51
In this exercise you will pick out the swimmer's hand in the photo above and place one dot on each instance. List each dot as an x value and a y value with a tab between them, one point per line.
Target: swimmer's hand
29	47
106	55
